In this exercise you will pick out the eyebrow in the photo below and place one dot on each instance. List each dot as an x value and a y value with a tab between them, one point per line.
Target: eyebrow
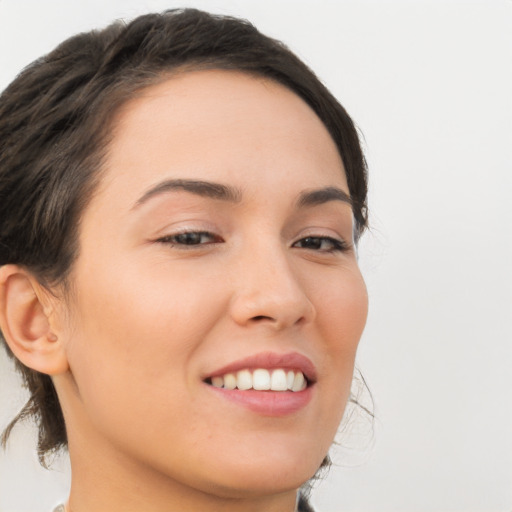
234	195
323	195
197	187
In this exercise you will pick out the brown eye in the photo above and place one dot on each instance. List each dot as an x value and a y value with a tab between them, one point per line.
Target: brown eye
321	243
190	238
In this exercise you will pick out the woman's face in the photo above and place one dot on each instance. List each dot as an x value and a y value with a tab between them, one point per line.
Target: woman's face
219	241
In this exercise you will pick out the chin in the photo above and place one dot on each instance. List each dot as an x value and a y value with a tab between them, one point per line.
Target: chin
245	478
248	485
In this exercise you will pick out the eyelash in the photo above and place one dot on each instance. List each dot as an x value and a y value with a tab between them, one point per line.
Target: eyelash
180	238
183	240
335	244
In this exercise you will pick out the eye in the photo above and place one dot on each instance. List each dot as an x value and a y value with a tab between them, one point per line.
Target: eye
322	244
190	238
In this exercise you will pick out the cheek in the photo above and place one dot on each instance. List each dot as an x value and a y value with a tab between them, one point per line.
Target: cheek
342	312
341	316
133	335
136	310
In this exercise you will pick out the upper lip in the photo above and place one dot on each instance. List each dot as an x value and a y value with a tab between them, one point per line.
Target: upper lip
269	361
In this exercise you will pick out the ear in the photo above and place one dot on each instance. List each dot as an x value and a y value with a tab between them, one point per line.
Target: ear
26	314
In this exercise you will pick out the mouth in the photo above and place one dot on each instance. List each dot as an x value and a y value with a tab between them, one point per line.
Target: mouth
261	379
270	384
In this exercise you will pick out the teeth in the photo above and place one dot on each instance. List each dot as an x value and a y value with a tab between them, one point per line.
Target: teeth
261	379
243	380
278	381
230	381
218	382
290	376
298	382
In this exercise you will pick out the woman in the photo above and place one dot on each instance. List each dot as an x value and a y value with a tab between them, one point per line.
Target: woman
181	199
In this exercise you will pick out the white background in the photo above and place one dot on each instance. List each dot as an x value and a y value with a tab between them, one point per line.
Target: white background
430	86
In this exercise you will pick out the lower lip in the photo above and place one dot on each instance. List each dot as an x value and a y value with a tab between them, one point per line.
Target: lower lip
268	403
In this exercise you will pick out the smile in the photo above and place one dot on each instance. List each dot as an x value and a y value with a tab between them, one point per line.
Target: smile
261	379
268	383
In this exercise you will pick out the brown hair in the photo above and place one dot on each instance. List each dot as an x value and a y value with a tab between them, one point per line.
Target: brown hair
54	129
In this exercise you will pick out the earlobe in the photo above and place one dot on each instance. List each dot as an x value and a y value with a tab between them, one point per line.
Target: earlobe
25	321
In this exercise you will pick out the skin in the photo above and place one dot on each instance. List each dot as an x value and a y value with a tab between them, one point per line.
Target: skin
147	317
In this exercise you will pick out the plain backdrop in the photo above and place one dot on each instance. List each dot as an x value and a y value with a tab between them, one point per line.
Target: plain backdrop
430	86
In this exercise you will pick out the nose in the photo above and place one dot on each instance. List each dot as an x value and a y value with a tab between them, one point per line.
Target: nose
268	290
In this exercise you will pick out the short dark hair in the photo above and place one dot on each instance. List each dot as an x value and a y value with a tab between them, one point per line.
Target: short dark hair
55	121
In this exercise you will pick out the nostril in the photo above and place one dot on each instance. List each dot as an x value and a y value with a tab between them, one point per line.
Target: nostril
261	317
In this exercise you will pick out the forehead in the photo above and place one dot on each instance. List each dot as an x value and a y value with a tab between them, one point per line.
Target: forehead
223	126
